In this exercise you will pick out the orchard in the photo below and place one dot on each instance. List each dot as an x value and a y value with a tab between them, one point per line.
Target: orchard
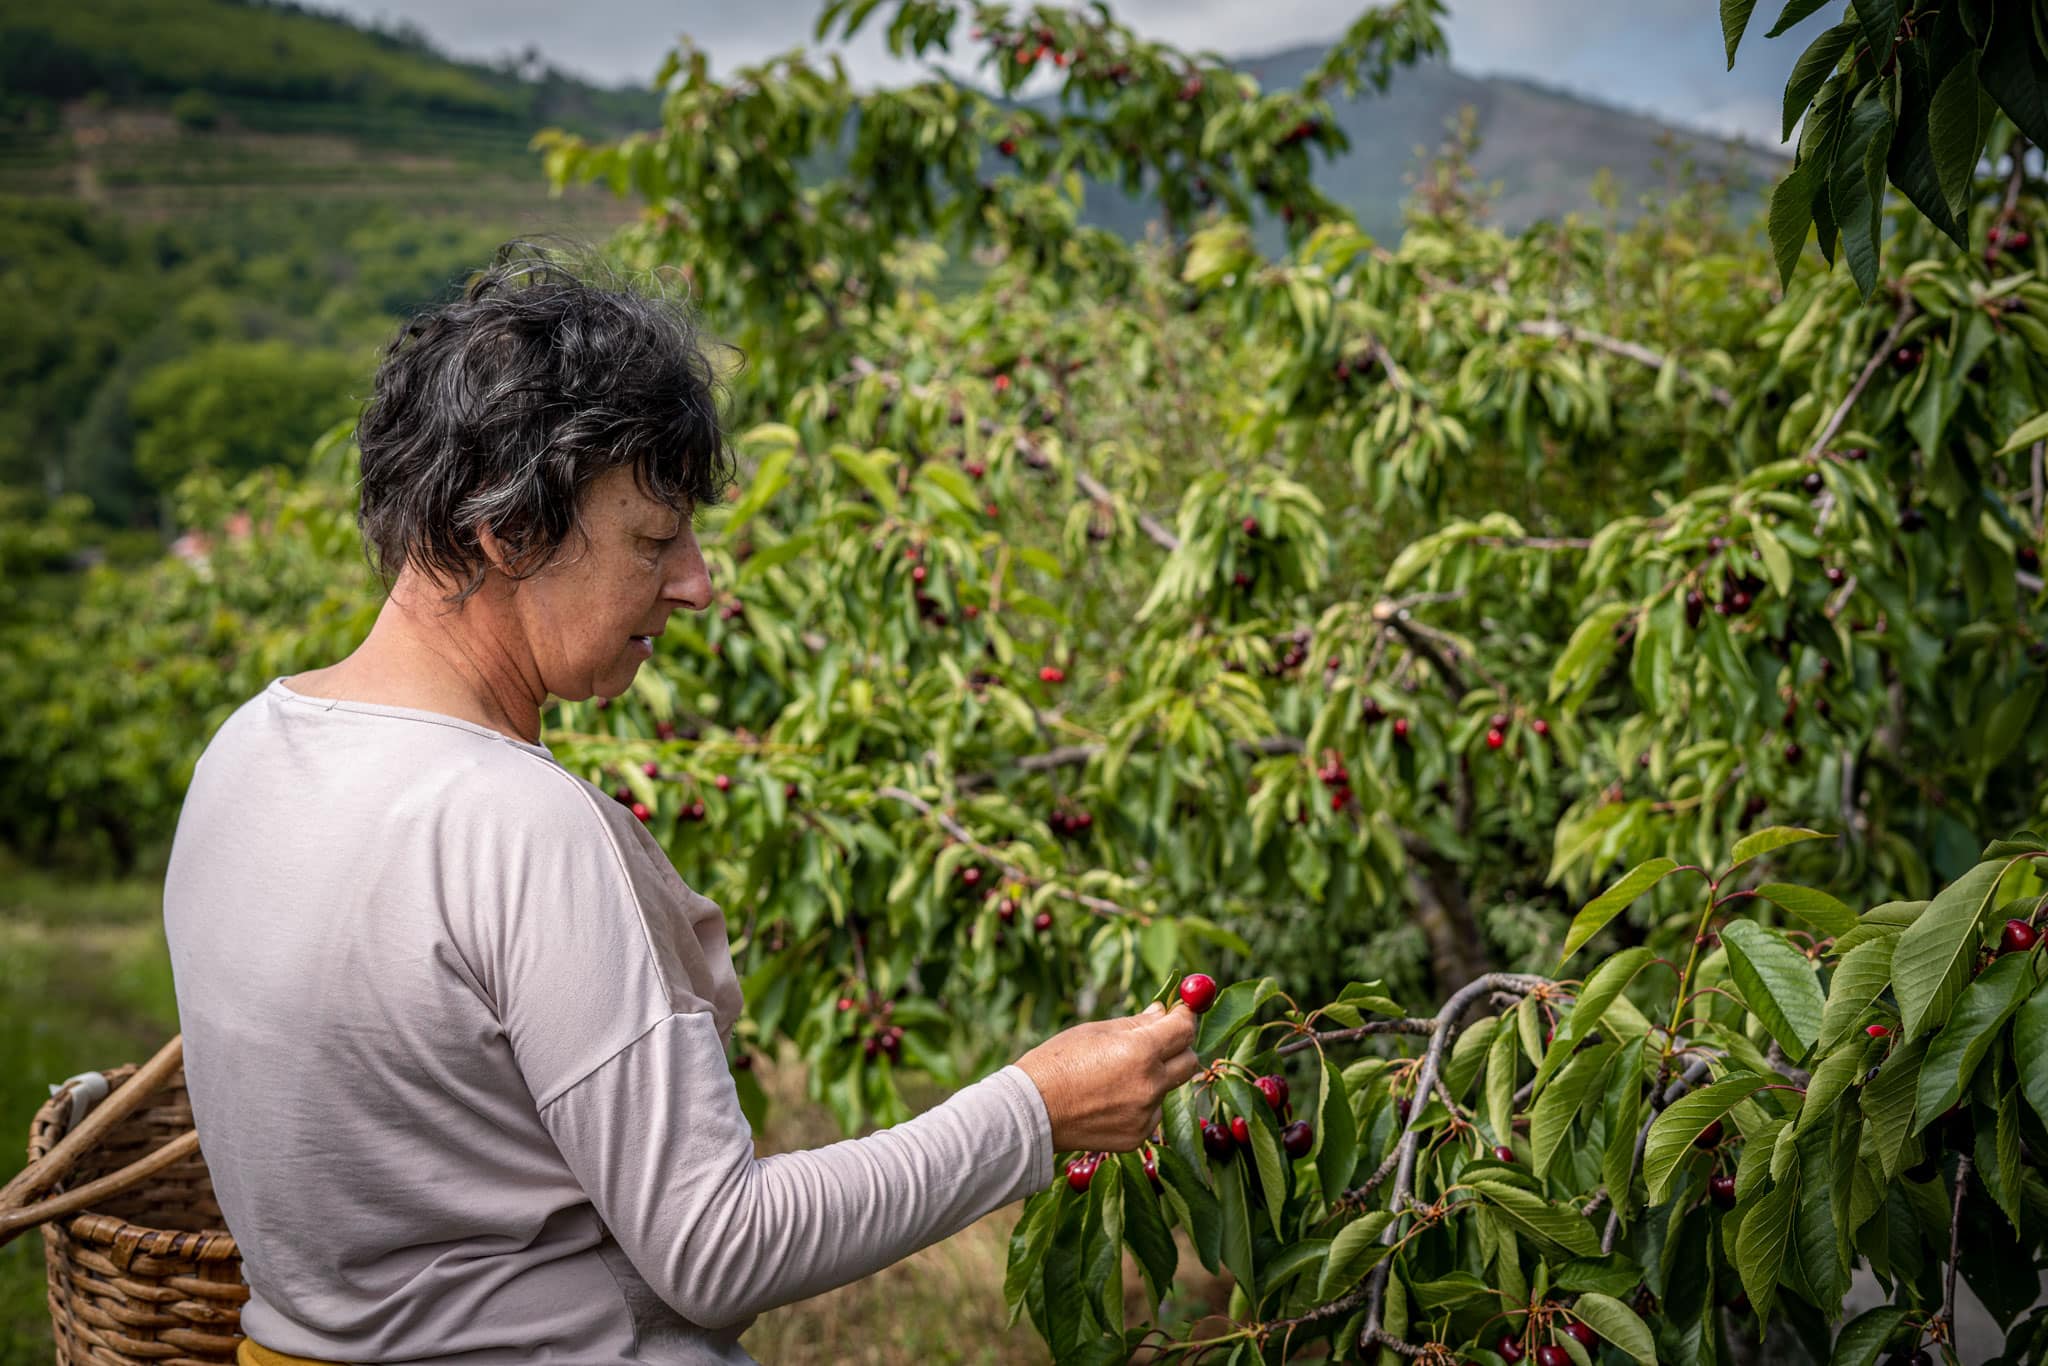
1577	693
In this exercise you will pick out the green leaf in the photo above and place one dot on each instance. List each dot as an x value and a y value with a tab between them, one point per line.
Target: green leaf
1500	1083
1852	194
2002	1174
1793	12
1880	922
1540	1219
1145	1229
1763	841
1815	907
1610	903
1777	560
1791	213
1201	1215
1887	1106
1104	1241
1590	647
1234	1005
1982	1010
1778	982
2015	72
1608	981
2030	1050
1932	960
1955	133
1864	1336
1182	1128
1814	66
1619	1324
1559	1103
2026	434
1684	1120
1734	19
1624	1122
1237	1226
1760	1244
1837	1072
1336	1150
1354	1251
1028	1244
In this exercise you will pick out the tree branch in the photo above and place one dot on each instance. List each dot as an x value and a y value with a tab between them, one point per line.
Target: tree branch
1629	350
1364	1031
1009	870
1955	1230
1877	358
1411	1138
1690	1078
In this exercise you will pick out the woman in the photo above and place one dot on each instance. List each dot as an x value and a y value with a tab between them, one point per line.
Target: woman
455	1031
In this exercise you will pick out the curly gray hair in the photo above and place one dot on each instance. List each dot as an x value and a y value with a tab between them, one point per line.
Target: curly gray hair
499	408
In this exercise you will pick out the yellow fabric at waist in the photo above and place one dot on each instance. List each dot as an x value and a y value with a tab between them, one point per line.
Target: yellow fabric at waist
248	1352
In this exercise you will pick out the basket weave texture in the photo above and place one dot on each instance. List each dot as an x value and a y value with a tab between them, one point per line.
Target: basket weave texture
153	1276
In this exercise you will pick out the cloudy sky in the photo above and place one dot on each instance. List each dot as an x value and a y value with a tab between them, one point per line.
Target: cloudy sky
1662	57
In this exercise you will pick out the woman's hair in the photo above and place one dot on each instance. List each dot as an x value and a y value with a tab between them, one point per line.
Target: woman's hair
499	408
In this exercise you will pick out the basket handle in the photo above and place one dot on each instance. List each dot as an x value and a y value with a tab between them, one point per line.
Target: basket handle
16	1222
16	1210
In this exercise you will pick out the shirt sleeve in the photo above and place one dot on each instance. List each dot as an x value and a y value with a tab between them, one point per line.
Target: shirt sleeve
656	1137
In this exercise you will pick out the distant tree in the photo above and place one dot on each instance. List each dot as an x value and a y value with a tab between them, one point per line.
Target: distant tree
233	407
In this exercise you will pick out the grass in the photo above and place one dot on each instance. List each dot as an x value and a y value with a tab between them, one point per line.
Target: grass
85	983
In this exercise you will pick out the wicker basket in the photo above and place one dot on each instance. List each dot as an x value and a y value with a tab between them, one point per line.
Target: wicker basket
141	1268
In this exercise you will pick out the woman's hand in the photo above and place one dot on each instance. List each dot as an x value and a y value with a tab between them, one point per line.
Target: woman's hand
1103	1082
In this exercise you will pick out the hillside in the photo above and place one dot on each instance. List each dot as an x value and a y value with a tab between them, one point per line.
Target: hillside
1546	149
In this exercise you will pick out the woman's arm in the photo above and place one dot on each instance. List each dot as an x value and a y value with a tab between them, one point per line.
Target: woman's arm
656	1136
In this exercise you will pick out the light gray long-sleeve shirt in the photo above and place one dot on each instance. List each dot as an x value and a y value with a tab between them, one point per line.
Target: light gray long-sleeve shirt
455	1038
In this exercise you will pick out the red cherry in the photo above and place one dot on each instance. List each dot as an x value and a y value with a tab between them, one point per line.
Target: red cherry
1494	739
665	729
1587	1338
696	811
1508	1350
1250	525
1150	1160
641	812
651	769
1240	1130
1401	727
1553	1356
1007	147
1080	1172
1042	921
722	782
1503	1153
1721	1189
1052	674
1297	1138
1198	991
789	790
1540	726
919	574
970	875
1709	1136
1002	383
846	1003
624	795
1216	1140
1274	1089
1876	1031
2019	936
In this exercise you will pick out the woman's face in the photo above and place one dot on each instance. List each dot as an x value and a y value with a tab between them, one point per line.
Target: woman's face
635	565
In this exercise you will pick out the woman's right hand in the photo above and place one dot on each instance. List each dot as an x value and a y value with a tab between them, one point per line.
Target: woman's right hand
1104	1082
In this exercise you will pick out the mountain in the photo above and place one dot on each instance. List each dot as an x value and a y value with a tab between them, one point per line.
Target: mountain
1545	148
